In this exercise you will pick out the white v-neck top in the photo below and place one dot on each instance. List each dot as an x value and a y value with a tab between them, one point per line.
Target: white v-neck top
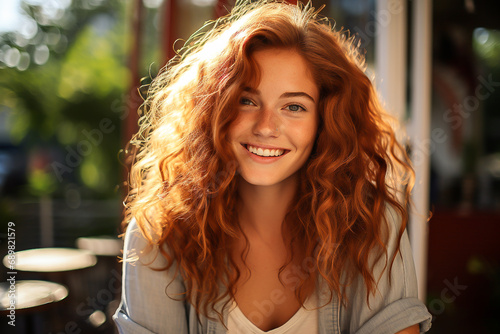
305	320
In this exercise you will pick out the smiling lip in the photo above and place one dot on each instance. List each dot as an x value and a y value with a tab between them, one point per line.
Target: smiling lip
264	147
261	159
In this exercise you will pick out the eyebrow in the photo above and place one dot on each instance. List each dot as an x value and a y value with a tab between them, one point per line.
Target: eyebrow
284	95
297	94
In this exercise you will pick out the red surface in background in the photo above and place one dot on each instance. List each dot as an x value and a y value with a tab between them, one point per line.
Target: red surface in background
454	239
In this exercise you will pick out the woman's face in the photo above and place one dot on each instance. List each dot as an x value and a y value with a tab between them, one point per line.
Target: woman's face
274	132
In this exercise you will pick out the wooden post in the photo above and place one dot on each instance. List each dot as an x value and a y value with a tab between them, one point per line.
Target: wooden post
130	120
421	118
169	32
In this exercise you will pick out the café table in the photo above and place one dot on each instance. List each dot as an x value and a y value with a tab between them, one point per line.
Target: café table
52	260
67	266
24	299
30	294
101	245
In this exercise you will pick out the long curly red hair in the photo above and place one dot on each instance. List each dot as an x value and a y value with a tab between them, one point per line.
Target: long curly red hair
183	181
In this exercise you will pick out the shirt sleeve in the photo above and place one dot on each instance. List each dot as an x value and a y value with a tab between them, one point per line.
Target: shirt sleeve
145	306
395	305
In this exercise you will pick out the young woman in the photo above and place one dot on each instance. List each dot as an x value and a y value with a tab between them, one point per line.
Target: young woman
265	196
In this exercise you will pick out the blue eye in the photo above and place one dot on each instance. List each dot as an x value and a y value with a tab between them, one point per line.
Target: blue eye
246	101
295	108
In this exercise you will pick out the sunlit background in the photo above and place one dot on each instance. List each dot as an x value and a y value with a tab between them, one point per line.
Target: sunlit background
69	73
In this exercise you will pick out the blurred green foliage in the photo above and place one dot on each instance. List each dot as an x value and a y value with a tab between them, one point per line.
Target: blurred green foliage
56	105
486	45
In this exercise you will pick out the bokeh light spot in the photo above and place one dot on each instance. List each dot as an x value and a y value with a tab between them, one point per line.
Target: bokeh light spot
41	54
12	57
24	62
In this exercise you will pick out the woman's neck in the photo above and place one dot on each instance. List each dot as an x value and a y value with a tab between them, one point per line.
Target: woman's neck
262	209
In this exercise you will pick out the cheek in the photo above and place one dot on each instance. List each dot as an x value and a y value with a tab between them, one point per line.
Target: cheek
305	135
235	128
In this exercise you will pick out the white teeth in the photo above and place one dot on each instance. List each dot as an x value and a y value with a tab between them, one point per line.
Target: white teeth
266	152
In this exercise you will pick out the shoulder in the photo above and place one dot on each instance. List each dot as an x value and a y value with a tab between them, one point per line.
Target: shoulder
138	249
395	305
150	292
143	260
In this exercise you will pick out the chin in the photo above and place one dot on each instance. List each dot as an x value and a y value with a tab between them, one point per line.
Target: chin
259	181
263	180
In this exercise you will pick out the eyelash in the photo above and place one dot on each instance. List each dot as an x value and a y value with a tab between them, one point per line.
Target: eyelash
249	102
243	101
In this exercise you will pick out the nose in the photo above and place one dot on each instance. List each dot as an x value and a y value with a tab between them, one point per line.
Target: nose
266	124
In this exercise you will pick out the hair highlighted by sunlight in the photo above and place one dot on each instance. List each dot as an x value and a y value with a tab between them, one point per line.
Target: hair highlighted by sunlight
182	184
